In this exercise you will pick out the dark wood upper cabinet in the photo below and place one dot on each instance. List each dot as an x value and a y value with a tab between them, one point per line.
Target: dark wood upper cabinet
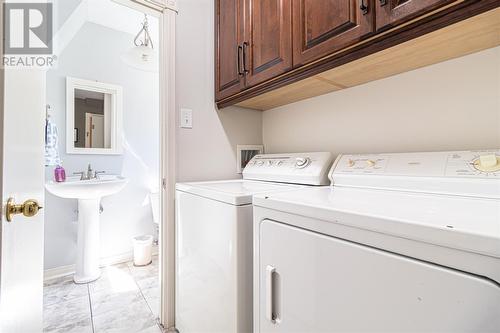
393	12
229	34
268	42
267	46
321	27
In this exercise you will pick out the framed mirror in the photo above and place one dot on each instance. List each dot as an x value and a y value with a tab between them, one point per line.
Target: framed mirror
94	112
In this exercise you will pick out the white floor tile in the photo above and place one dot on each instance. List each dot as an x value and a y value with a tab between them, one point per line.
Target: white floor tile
149	282
61	290
104	301
141	272
125	299
129	317
66	313
154	305
84	326
114	279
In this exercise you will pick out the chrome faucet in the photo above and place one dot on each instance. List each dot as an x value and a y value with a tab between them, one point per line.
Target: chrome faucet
89	174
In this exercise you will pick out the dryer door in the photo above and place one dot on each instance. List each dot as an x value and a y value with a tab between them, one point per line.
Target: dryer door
315	283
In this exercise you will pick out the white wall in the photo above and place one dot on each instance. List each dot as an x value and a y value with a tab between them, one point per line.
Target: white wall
208	151
94	54
453	105
62	10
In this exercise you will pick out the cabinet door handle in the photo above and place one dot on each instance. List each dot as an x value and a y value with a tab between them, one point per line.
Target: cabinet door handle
383	3
245	47
270	314
239	51
364	7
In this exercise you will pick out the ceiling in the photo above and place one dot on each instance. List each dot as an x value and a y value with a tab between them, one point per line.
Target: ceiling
107	13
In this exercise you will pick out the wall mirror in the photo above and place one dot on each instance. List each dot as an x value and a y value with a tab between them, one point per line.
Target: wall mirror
93	117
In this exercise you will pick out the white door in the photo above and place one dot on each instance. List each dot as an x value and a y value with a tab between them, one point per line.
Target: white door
97	131
21	256
315	283
94	137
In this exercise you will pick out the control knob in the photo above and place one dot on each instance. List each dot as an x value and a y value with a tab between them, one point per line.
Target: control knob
487	163
302	162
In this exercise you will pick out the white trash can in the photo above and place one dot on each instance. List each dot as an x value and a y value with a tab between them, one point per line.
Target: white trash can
143	246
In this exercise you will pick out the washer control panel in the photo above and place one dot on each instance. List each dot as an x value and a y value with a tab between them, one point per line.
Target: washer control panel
295	168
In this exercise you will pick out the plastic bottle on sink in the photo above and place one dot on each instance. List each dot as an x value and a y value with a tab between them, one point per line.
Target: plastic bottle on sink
59	174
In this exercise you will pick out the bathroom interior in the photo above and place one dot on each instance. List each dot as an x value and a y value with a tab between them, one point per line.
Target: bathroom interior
102	128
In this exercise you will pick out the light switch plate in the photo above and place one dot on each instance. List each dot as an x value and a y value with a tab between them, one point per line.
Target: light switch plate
186	118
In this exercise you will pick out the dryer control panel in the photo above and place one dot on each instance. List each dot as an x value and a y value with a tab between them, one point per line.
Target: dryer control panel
477	164
296	168
465	172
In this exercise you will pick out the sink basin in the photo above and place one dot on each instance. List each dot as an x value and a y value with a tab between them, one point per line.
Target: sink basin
89	194
74	188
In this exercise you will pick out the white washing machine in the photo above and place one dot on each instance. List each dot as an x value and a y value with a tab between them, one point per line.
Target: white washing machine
214	239
399	243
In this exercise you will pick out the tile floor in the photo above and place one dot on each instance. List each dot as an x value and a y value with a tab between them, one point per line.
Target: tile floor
125	299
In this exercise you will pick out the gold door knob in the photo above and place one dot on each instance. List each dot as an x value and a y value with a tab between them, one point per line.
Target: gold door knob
29	208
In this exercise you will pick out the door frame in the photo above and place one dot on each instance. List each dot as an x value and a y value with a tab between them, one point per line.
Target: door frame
2	105
166	12
168	105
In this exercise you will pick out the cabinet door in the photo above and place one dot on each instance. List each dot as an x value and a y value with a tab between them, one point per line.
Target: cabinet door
268	47
393	12
314	283
229	30
321	27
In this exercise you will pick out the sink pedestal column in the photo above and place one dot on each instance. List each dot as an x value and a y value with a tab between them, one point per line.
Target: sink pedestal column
88	243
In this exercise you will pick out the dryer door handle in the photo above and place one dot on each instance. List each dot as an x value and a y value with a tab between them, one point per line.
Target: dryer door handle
270	293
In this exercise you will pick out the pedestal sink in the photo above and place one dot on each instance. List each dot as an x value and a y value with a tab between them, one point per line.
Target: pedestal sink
89	194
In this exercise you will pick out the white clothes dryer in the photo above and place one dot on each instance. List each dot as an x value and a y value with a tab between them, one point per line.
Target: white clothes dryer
399	243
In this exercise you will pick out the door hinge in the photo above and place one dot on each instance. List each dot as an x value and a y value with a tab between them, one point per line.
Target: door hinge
164	183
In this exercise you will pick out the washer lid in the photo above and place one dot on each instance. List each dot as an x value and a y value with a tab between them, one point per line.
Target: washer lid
234	192
465	223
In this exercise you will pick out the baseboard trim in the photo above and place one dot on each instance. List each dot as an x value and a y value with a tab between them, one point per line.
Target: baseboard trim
57	272
54	273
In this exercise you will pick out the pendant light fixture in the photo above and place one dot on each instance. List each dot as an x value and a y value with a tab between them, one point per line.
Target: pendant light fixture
143	55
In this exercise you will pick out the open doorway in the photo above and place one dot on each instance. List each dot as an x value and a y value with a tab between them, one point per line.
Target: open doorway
23	115
103	127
